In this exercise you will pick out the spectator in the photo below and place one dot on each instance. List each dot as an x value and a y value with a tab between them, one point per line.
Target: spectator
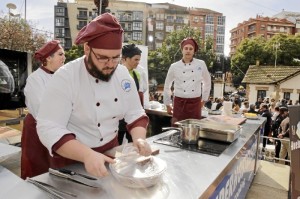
267	128
209	102
285	150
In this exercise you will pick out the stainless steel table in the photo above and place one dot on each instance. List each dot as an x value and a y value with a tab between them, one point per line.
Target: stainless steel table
189	175
7	150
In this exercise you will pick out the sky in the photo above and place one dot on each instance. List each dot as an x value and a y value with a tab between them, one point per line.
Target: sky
40	13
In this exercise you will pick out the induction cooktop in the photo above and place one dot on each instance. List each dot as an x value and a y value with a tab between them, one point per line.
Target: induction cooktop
205	146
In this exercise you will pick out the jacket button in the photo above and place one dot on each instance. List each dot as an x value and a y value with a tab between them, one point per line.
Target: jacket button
98	104
97	80
98	124
116	99
101	139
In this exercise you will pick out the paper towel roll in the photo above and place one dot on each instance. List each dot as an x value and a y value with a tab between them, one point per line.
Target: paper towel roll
227	108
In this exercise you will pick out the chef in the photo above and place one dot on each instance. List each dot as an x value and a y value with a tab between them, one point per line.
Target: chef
192	84
35	156
87	97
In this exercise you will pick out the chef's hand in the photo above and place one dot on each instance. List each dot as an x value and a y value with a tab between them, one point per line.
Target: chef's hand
169	109
94	163
142	146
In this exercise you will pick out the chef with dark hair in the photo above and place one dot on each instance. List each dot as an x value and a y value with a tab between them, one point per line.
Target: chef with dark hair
82	106
192	84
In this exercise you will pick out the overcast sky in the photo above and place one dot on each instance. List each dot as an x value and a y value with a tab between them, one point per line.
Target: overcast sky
41	12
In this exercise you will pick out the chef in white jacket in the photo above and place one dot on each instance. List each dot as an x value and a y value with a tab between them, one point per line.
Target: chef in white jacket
192	84
87	97
35	157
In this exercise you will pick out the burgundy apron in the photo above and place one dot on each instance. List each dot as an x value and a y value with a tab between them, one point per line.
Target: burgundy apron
35	158
186	108
34	155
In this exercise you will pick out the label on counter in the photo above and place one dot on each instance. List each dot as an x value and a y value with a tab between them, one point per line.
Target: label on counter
236	183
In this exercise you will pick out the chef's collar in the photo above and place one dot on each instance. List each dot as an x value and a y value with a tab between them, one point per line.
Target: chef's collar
186	63
47	70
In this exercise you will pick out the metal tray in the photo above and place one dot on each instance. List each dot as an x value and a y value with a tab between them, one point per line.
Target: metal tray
215	130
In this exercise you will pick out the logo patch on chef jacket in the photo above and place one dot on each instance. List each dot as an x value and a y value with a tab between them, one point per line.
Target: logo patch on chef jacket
199	68
126	85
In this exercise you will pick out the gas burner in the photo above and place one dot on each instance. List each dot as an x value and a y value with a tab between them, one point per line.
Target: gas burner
210	147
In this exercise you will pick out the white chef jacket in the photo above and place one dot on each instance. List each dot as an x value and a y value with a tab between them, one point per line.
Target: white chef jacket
34	89
143	79
187	78
76	102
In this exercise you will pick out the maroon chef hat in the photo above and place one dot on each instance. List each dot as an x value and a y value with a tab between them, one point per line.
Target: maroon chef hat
191	41
104	32
46	50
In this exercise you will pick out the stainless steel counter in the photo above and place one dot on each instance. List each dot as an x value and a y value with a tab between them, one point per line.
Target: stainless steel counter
189	175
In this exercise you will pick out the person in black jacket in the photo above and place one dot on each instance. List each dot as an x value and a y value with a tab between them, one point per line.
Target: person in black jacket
275	129
267	128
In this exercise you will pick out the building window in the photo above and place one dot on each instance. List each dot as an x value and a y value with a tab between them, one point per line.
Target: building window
127	36
287	95
159	35
196	19
137	26
82	13
160	16
179	20
59	21
60	11
220	39
158	45
178	27
221	30
261	94
221	20
59	32
220	49
209	29
210	19
137	36
169	28
170	19
137	16
159	25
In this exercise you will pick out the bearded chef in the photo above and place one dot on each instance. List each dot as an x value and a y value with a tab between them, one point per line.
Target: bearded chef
35	156
192	84
87	97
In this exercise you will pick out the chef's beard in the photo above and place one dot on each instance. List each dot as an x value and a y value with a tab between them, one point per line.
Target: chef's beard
95	72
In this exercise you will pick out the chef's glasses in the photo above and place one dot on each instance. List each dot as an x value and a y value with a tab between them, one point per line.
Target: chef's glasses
104	59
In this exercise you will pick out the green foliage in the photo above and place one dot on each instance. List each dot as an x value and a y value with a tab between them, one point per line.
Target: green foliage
74	53
160	60
17	34
259	49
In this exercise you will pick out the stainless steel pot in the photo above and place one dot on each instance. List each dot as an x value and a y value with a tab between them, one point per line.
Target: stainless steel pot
189	133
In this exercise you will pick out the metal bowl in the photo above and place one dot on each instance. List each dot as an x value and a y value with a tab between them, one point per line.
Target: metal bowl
134	175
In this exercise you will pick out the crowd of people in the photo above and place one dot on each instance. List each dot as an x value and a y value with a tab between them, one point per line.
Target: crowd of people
277	123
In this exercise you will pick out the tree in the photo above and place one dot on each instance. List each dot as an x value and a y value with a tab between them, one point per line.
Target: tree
17	34
262	51
74	53
160	60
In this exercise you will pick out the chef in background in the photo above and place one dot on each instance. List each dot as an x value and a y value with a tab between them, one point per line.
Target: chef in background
35	156
192	84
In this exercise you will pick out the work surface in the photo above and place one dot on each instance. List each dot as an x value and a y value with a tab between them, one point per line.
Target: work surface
188	175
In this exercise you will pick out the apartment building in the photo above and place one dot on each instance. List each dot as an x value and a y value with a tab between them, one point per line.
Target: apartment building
144	23
291	16
264	26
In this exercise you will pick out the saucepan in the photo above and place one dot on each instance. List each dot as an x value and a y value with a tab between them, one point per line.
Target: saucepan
189	133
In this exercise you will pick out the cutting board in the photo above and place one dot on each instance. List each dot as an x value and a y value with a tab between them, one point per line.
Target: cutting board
226	119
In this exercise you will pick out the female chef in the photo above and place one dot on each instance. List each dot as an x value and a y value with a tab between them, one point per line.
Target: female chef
35	157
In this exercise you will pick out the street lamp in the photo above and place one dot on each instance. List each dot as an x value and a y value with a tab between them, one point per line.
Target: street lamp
276	46
10	6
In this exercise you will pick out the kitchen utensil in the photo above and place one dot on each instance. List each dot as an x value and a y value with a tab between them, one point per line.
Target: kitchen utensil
67	171
49	190
132	174
74	178
189	132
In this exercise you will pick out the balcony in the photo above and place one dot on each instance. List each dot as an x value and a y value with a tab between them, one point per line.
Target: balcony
79	27
82	17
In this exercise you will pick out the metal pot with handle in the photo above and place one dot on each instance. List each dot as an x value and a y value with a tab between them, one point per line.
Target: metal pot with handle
189	133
